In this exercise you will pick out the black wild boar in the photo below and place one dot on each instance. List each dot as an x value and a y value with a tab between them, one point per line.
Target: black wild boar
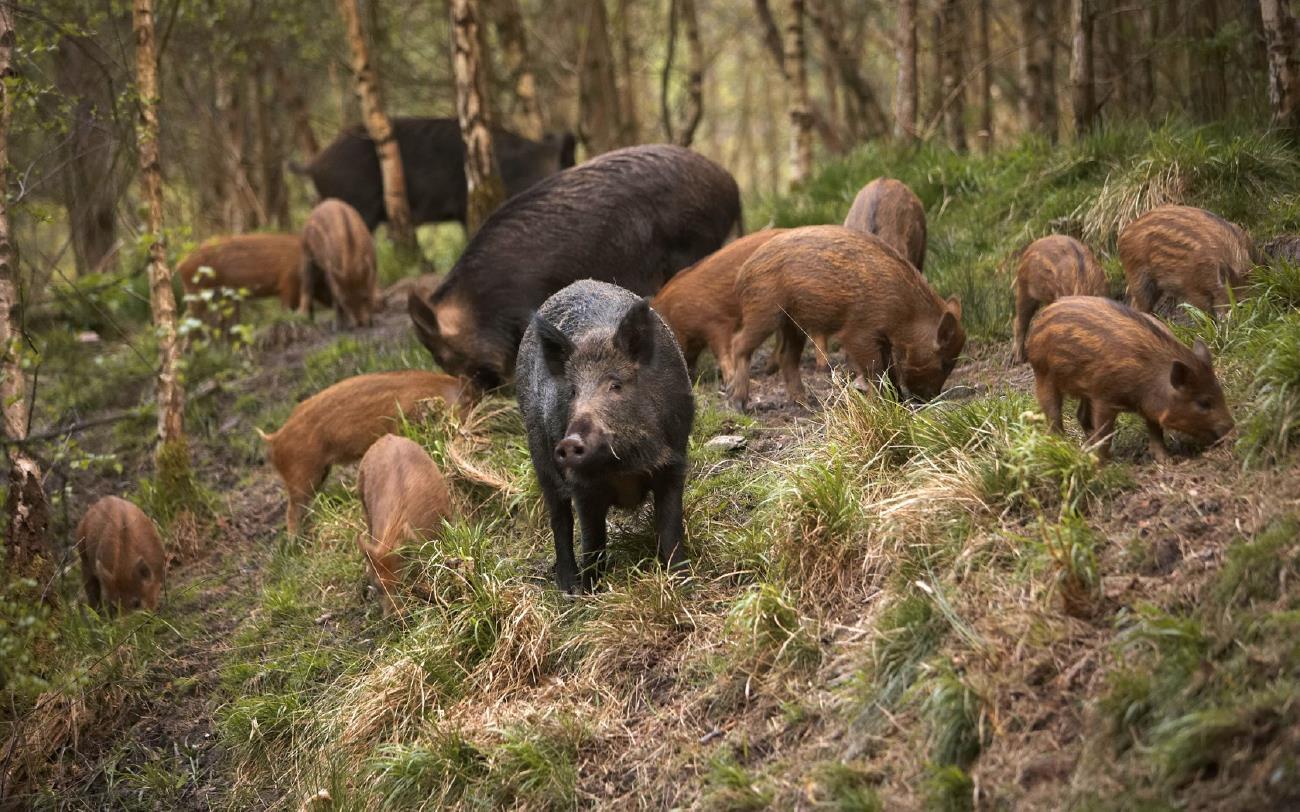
608	406
433	161
1115	359
632	217
338	253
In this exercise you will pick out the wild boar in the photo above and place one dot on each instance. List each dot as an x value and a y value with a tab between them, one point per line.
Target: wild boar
404	497
1052	267
1115	359
837	281
632	217
608	406
122	561
338	424
338	253
890	210
263	264
433	162
1184	253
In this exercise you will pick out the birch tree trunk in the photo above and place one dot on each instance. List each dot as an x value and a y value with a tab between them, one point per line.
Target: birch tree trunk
485	192
173	456
984	53
27	550
1082	73
509	24
380	129
954	93
905	92
695	73
1283	67
796	74
845	61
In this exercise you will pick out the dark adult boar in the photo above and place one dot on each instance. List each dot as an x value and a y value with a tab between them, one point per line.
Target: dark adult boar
433	162
122	559
632	217
404	497
1050	268
836	281
338	254
1185	253
263	264
892	211
608	407
337	426
1115	359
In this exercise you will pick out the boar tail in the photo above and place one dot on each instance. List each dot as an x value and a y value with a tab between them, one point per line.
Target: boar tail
266	438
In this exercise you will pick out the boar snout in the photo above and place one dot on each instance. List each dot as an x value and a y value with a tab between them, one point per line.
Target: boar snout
583	443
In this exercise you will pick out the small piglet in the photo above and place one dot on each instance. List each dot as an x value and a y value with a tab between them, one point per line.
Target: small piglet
338	253
608	406
122	560
338	425
890	210
404	497
1050	268
836	281
1115	359
264	265
1185	253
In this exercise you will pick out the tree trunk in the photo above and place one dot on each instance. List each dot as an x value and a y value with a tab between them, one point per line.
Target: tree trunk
90	173
954	92
304	136
27	546
775	47
796	73
846	65
984	53
509	24
1031	74
1283	67
905	91
172	453
485	192
240	208
601	120
1051	106
380	129
628	87
1209	86
1082	74
1145	77
683	11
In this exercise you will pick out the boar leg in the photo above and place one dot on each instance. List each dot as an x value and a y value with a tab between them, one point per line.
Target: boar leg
1144	294
668	517
1025	308
592	510
774	360
822	343
1103	422
307	291
1156	441
867	357
1085	416
720	345
91	583
1049	400
743	345
792	344
560	510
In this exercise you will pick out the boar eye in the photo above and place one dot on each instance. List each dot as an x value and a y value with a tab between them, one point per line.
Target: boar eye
615	386
1204	404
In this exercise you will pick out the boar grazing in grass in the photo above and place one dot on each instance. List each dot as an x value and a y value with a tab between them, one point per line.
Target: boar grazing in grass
338	425
122	561
632	217
836	281
607	403
890	210
1115	359
405	498
262	264
433	163
338	253
1185	254
1049	269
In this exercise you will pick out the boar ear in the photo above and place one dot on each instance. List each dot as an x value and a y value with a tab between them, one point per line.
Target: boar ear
1202	353
635	336
953	306
424	319
947	327
556	346
1180	375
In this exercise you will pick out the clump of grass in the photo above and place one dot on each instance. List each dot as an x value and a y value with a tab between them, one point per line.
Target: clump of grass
730	787
844	787
1272	425
1256	570
949	788
955	715
1073	550
438	769
906	633
766	631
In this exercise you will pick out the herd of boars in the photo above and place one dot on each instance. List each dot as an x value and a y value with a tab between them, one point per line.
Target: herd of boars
595	288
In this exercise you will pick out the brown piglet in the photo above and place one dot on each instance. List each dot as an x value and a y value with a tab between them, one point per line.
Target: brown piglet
1184	253
1050	268
122	561
1115	359
338	253
264	265
836	281
890	210
337	425
405	498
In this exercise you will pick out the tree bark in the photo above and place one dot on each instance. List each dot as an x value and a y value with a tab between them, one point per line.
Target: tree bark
485	191
396	205
304	135
628	87
509	24
27	545
846	65
171	394
796	72
775	47
954	92
1031	74
1051	106
1082	73
984	53
683	12
1145	78
905	91
601	120
1209	86
1283	67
